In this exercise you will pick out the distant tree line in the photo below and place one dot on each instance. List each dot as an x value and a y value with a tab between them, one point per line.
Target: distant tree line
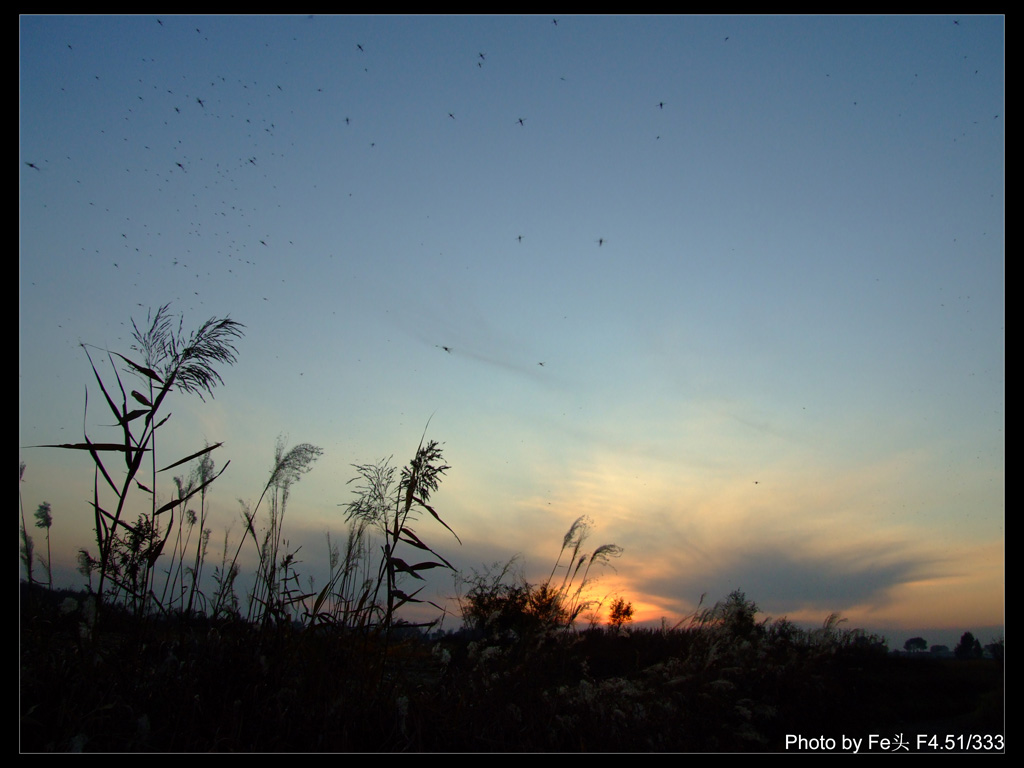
969	647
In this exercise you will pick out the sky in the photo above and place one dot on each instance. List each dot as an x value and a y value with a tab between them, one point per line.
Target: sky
731	286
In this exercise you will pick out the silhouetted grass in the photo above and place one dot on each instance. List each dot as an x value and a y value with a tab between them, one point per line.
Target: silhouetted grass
196	684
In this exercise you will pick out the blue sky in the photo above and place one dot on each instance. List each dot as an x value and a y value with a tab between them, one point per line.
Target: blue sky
760	258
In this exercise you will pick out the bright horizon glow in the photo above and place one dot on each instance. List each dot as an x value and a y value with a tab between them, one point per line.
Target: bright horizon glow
764	275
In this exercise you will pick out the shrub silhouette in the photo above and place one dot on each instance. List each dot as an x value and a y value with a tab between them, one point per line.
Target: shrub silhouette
621	613
506	606
968	648
735	615
504	601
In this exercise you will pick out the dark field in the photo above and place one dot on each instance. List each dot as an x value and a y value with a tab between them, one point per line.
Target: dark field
171	685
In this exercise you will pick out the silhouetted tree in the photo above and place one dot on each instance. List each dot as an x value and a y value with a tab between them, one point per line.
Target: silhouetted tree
968	647
915	644
735	614
621	613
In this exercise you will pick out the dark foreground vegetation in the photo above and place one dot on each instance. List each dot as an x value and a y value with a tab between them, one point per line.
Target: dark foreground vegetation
721	683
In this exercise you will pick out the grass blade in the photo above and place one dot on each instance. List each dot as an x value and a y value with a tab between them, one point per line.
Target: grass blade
193	456
437	517
147	372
